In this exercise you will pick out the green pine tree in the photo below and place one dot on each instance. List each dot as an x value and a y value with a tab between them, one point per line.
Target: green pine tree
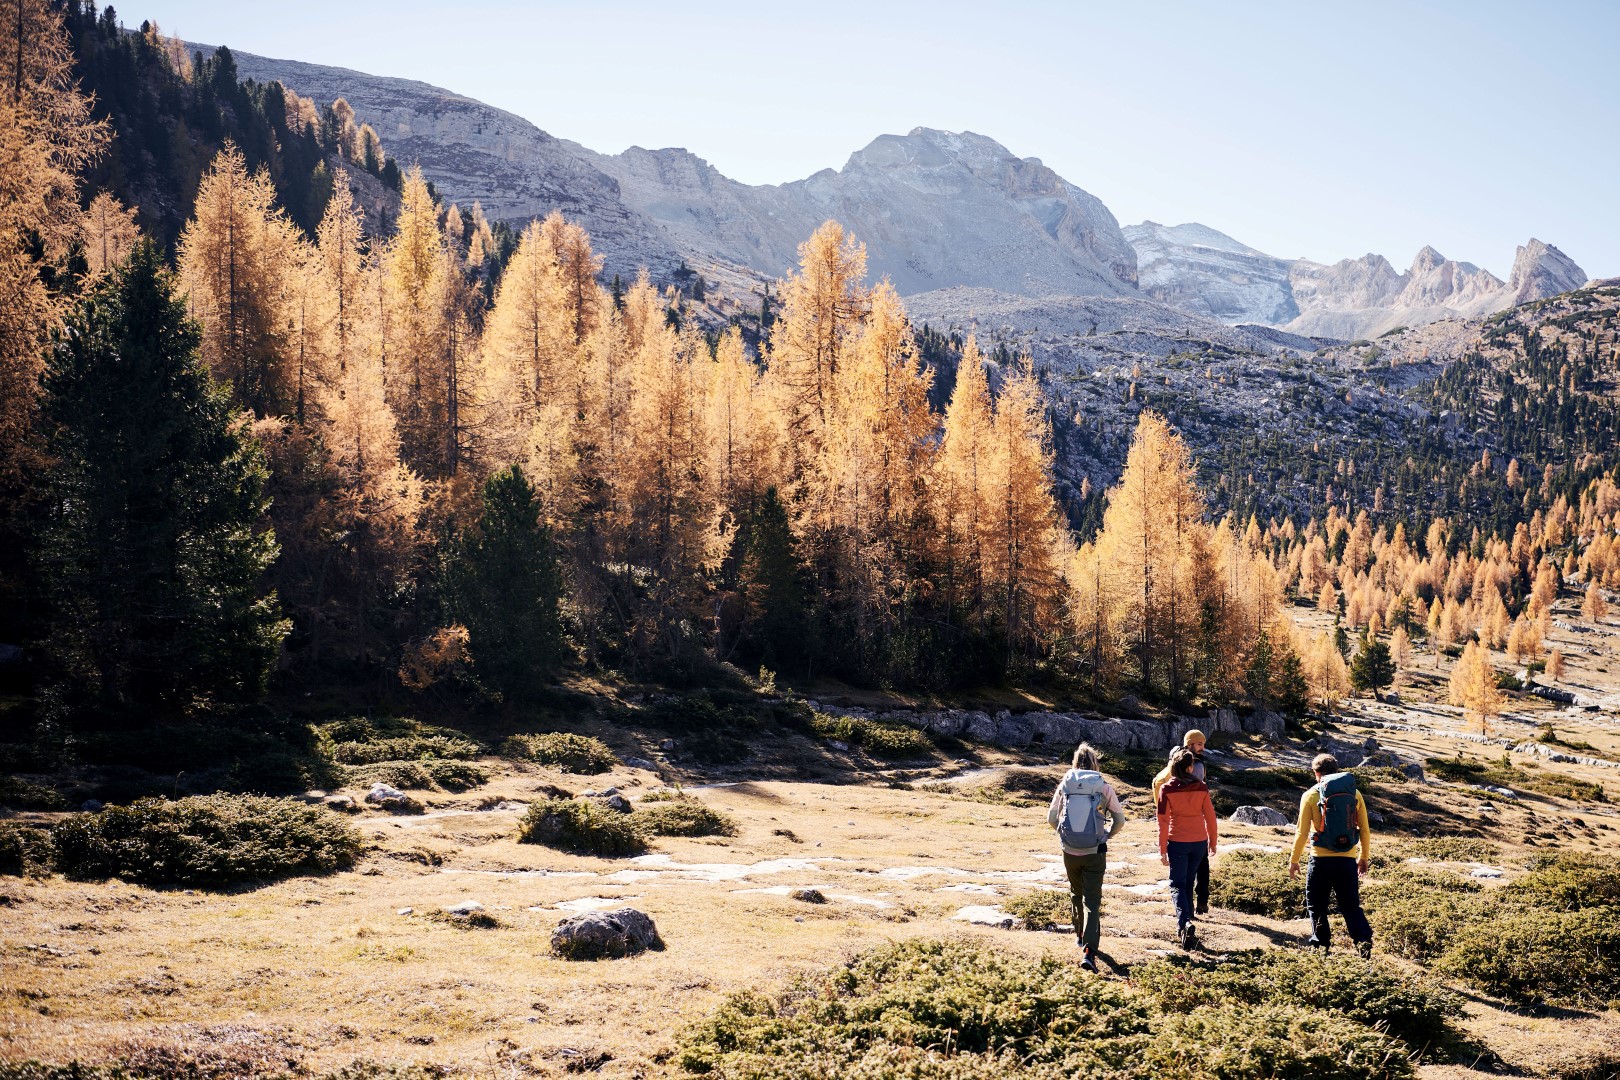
506	587
778	626
154	549
1257	679
1290	693
1372	669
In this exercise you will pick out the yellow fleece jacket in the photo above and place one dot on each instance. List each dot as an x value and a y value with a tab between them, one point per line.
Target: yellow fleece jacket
1309	822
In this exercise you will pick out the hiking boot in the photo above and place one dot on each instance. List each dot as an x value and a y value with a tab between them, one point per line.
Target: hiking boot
1364	949
1187	935
1088	960
1202	908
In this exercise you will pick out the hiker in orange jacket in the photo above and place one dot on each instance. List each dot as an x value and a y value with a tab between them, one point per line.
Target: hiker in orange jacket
1188	834
1194	742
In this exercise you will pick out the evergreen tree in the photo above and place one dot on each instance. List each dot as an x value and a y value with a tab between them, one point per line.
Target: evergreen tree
1372	669
153	548
506	588
778	628
1260	674
1290	690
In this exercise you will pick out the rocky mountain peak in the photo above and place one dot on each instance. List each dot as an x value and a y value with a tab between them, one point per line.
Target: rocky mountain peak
1426	260
1541	270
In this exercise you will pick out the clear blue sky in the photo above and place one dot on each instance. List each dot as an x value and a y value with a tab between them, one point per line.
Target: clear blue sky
1322	130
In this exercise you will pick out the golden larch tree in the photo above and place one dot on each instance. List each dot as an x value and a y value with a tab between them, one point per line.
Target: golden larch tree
961	484
238	260
108	233
1473	686
1025	539
47	137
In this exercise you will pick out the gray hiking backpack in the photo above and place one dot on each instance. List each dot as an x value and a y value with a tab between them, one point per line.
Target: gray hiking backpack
1083	795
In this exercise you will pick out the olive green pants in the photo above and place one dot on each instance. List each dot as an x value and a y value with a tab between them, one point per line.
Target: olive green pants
1085	893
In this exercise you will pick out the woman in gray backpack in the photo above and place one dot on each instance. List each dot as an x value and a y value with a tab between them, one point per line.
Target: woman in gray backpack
1079	802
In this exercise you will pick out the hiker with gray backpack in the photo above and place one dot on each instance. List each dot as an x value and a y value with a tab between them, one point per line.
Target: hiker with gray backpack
1333	816
1078	805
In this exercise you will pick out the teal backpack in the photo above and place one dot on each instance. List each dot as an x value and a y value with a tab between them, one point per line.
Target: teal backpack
1336	813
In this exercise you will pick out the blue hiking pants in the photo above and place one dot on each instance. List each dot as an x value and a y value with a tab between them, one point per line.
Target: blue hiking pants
1185	858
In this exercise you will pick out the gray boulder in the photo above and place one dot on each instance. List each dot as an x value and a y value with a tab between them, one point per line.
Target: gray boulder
1258	815
604	934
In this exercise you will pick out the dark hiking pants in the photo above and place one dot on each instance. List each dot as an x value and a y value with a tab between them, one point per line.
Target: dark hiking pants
1329	878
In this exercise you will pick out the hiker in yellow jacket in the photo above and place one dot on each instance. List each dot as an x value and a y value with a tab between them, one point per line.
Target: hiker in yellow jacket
1341	844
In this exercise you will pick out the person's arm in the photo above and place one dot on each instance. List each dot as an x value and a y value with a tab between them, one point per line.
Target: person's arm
1116	812
1211	822
1054	813
1366	834
1302	831
1164	829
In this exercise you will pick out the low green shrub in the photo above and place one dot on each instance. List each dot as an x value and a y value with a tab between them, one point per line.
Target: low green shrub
404	748
697	713
1552	935
1234	1043
73	1070
24	851
1376	995
20	794
1448	849
1041	909
1418	923
581	826
880	737
1463	770
710	733
682	815
1267	778
364	740
205	840
963	1010
1567	881
1533	955
570	753
1257	883
430	774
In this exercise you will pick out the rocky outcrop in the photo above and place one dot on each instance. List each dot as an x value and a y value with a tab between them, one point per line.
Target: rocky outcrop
935	209
1259	815
1195	268
1541	270
1065	730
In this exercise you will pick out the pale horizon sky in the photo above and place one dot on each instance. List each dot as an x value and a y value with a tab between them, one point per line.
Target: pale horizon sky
1323	131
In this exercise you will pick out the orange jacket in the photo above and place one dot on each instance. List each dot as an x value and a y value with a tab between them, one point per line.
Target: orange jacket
1185	814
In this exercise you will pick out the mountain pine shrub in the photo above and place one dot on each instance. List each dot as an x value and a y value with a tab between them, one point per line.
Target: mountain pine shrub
568	752
582	827
209	841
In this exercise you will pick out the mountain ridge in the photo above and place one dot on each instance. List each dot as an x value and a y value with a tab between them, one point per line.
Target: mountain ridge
936	210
